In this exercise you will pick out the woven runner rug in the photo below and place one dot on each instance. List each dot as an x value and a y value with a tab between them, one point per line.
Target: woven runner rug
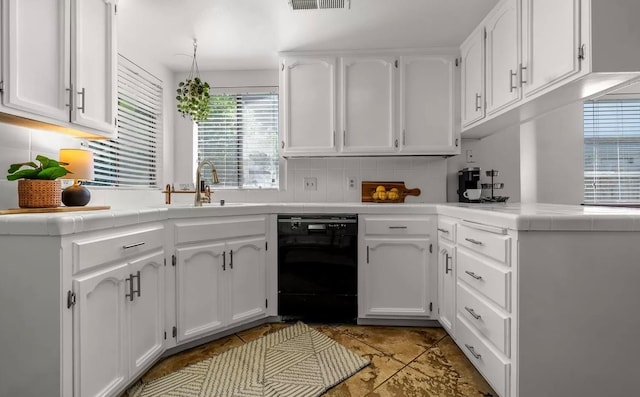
297	361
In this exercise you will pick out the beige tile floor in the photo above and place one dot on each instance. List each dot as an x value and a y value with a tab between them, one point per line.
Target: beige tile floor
405	361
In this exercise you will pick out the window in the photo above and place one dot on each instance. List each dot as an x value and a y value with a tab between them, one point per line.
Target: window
612	151
241	139
131	160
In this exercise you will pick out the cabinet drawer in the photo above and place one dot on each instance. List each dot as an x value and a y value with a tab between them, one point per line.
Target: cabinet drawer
491	281
496	246
398	225
222	228
495	368
110	247
485	319
447	229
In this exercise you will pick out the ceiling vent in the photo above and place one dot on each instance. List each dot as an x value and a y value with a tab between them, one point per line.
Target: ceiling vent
318	4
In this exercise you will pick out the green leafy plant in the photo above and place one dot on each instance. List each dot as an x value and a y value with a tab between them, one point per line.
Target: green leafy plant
193	99
47	169
193	93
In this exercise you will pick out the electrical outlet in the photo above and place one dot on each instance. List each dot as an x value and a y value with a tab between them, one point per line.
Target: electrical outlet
470	158
352	183
310	183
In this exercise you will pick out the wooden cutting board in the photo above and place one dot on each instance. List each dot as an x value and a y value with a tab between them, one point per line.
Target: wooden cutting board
56	209
369	187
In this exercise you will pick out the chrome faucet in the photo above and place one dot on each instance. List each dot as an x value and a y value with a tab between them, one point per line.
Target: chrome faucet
207	197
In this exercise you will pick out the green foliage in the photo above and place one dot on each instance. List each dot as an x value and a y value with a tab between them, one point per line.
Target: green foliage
48	169
193	99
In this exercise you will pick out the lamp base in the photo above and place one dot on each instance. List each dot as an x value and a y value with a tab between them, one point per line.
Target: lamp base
76	196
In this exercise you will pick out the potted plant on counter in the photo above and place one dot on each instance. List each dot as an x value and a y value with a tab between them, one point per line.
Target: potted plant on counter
38	186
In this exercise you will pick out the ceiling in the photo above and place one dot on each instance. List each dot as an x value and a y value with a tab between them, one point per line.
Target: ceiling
248	34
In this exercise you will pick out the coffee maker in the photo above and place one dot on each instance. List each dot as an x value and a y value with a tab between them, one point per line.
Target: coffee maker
468	178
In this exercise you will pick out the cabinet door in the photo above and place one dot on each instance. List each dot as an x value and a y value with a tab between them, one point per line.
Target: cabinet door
309	106
93	64
472	77
368	104
502	53
427	104
551	37
446	285
99	362
198	290
36	57
146	312
246	277
396	278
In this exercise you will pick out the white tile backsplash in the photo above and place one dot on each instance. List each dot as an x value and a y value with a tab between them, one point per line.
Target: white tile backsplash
19	144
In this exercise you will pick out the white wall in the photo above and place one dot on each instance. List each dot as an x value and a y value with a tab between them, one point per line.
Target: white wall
551	148
500	151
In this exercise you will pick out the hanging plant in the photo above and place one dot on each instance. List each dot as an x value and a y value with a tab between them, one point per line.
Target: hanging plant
193	93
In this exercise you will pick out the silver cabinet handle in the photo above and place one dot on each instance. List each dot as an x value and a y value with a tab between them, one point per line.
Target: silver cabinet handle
473	351
344	137
82	102
472	241
224	261
472	274
396	143
367	254
397	227
473	313
478	106
512	74
445	231
522	80
447	269
282	144
334	139
130	294
137	277
231	259
126	247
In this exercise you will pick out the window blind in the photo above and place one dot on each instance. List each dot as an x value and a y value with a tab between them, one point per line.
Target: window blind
240	137
612	151
131	160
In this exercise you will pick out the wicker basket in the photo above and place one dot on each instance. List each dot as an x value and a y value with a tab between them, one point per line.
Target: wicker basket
38	193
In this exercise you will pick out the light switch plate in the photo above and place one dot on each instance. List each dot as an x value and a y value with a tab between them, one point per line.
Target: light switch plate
310	183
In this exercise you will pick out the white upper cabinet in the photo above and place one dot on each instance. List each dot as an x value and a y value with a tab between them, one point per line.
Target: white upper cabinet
309	106
503	78
472	80
551	41
94	64
543	54
36	57
368	104
59	64
427	105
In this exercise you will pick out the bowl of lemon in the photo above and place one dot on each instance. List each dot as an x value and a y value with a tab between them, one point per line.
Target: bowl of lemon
382	195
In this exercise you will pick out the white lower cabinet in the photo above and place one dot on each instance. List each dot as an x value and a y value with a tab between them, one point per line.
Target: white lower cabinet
222	282
118	318
99	332
447	285
395	267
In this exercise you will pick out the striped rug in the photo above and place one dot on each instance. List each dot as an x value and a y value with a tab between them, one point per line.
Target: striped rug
297	361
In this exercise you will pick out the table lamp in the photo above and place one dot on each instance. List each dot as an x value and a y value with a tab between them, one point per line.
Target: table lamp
81	168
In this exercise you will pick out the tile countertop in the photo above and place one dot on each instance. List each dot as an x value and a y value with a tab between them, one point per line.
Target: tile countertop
512	216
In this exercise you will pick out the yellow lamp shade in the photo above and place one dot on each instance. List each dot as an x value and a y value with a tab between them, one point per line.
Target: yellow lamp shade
80	163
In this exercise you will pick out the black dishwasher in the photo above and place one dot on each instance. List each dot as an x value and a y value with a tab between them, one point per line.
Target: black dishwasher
318	267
